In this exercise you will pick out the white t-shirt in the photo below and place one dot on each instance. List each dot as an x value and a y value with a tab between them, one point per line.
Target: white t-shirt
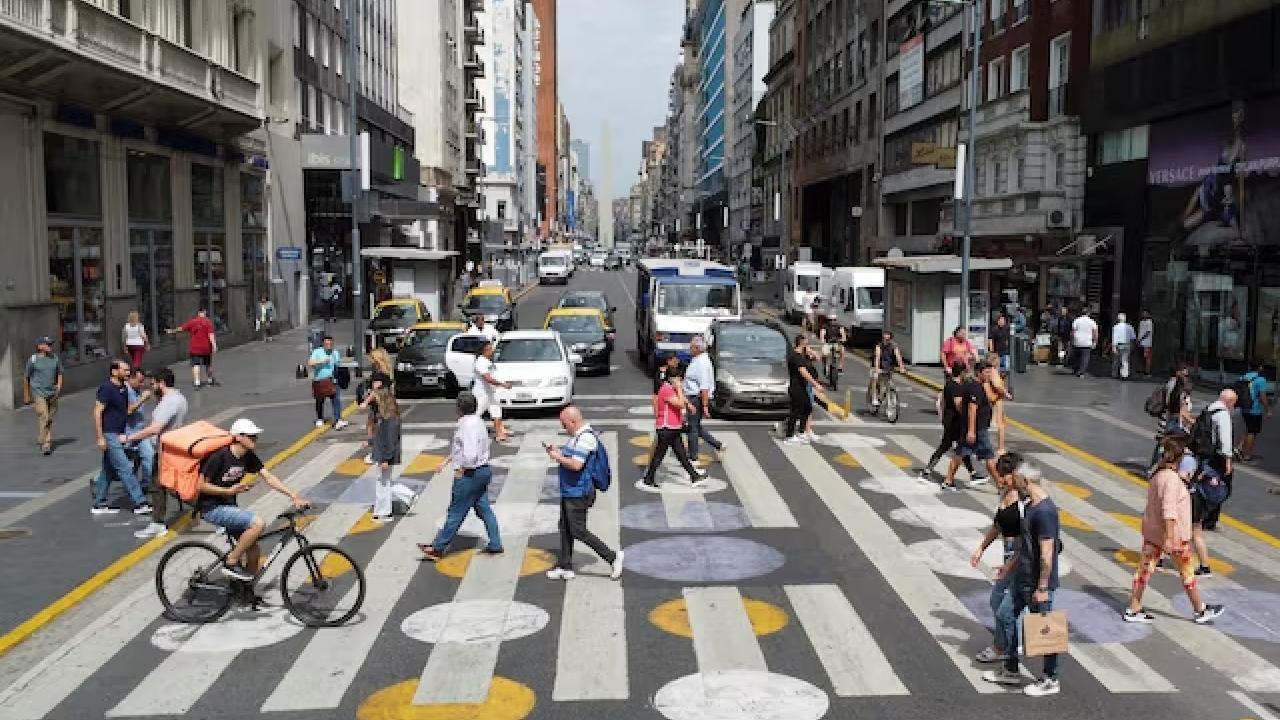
1082	331
1122	334
134	335
1146	332
488	331
482	389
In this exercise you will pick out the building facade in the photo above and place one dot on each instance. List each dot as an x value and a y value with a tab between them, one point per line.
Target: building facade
548	99
750	63
782	127
507	25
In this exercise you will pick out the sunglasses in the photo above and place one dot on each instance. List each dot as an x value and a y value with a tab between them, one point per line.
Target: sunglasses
250	437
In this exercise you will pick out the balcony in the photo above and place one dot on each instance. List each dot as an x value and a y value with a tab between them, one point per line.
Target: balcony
472	30
475	103
74	50
1021	11
1000	115
473	65
475	132
474	167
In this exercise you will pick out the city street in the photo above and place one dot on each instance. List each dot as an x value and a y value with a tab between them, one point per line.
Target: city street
801	582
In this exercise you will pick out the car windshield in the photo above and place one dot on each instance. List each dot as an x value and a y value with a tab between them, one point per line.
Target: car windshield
575	324
528	350
553	260
584	301
711	299
399	312
751	343
485	303
429	339
469	343
807	283
870	298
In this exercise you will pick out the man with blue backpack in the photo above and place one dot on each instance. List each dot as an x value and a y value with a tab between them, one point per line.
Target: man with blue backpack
584	470
1255	404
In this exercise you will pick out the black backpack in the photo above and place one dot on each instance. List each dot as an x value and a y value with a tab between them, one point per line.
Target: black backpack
1244	391
1155	404
1204	434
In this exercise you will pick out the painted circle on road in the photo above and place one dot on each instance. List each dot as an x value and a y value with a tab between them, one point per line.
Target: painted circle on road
240	629
455	565
740	695
945	557
680	486
673	617
708	516
900	486
1093	620
508	700
942	517
1251	614
475	621
1131	558
424	463
517	519
848	460
850	440
642	441
352	467
691	558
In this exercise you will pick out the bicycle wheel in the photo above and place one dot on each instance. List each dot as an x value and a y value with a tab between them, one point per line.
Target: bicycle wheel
190	583
833	371
890	405
322	585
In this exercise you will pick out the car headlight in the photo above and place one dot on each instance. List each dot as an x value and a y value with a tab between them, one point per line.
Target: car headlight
404	367
599	346
578	347
506	315
559	382
436	366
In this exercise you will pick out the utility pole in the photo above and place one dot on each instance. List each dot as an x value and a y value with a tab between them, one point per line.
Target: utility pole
357	184
975	16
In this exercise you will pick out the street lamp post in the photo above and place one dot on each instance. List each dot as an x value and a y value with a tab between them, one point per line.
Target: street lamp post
357	184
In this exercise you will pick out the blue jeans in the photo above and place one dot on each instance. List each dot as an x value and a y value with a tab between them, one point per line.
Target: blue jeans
116	462
335	401
697	432
146	462
1004	636
1020	599
470	492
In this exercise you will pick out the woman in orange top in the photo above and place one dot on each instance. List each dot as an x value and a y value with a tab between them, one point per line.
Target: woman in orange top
997	393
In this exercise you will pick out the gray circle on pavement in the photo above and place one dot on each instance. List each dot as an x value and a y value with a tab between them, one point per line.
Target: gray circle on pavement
692	558
695	517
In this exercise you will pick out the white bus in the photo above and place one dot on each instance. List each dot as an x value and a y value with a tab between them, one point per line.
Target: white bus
678	299
800	288
555	266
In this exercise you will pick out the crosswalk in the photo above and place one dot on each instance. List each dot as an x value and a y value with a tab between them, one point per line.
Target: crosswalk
852	487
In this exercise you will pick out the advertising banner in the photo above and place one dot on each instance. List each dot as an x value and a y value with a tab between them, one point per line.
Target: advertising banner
911	72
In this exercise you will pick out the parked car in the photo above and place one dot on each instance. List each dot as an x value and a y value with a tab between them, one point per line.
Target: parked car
750	361
420	366
460	361
538	366
391	319
590	299
494	302
583	331
597	259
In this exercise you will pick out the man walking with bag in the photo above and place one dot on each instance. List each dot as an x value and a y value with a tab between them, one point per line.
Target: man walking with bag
581	460
170	412
471	475
324	386
1035	571
1123	337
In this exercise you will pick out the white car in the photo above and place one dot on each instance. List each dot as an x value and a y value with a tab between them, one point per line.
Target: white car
539	368
460	361
597	259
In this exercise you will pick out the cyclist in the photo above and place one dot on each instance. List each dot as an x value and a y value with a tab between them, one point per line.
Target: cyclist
886	357
832	337
222	476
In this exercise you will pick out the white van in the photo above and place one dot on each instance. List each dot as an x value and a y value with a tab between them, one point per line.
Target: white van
857	293
800	287
555	266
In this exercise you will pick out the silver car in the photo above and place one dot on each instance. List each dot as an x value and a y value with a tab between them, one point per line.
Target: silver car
750	360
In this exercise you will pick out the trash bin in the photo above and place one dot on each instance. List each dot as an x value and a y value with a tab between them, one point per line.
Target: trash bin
1021	352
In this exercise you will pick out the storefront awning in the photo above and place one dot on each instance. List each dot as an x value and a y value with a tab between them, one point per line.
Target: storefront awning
406	253
941	263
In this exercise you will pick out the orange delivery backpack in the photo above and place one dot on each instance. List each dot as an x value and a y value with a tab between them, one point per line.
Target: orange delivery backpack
182	450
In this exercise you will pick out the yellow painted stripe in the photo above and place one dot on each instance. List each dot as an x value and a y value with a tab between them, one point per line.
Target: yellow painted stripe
1231	522
77	594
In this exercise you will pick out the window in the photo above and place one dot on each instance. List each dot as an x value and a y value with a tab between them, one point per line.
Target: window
311	114
1021	11
207	196
1020	69
857	121
995	79
900	211
997	16
71	176
324	46
253	221
78	289
875	42
311	36
295	21
924	216
942	70
1059	60
297	100
339	118
999	177
871	115
339	54
1059	168
1119	146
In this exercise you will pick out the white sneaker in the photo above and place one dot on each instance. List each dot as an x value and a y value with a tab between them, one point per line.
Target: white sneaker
319	423
617	566
990	655
1040	688
795	440
103	510
368	459
340	424
150	531
811	437
1002	676
560	574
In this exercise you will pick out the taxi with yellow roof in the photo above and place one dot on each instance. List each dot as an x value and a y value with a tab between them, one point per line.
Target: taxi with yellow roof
420	366
495	302
391	319
585	333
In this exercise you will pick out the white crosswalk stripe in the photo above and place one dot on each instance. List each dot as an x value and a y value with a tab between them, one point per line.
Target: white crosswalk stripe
854	663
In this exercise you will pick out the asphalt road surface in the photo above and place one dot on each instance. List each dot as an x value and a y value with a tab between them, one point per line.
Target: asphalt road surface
802	582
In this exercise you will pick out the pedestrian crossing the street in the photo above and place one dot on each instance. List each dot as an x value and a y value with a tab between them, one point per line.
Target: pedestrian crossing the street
799	581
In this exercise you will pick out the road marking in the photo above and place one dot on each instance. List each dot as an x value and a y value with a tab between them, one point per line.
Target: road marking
20	494
591	658
1260	712
552	425
462	672
854	662
722	636
64	670
335	654
916	586
759	497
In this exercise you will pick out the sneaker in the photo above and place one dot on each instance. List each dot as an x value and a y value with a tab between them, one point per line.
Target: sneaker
644	483
1204	570
493	551
143	509
340	424
1209	614
923	475
214	382
368	459
795	440
103	510
151	530
978	480
197	386
237	572
429	553
949	487
381	519
319	423
561	574
875	404
990	655
1138	616
616	566
46	449
1045	686
1002	676
811	437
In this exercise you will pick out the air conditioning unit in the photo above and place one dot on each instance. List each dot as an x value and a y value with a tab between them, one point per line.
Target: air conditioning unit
1058	220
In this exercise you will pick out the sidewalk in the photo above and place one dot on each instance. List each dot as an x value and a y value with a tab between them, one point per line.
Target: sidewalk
50	543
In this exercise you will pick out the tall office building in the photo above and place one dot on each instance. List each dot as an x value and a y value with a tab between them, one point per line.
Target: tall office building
548	115
506	23
751	62
584	156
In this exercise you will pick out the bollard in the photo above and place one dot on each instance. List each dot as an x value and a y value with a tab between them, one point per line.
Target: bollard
848	403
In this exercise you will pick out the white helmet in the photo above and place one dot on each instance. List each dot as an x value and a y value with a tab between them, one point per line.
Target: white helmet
245	426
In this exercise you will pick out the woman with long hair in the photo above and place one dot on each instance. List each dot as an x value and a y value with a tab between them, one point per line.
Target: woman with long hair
1006	525
997	393
134	337
385	449
381	377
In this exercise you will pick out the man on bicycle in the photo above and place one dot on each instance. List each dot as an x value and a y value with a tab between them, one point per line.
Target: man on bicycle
222	476
832	337
886	357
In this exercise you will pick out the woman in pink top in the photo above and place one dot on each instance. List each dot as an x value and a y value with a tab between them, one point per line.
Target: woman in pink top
957	348
668	410
1166	530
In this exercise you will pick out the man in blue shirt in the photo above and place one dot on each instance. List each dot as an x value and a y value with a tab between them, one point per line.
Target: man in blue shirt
577	495
1254	408
699	387
324	363
136	421
110	417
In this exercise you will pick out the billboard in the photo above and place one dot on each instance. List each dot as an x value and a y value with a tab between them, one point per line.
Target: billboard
911	72
570	210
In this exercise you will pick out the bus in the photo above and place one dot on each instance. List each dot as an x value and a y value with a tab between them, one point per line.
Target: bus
678	299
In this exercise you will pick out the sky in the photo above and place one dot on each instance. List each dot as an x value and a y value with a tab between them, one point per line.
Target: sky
615	59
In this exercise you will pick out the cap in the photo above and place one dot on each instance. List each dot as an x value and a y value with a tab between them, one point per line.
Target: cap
245	426
46	340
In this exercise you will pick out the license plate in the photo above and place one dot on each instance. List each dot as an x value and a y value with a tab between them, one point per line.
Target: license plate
524	396
428	379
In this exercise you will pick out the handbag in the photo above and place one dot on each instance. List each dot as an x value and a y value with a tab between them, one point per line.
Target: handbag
300	372
343	377
1044	633
323	388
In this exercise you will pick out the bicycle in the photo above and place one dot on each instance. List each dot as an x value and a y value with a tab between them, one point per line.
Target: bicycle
887	396
327	591
835	356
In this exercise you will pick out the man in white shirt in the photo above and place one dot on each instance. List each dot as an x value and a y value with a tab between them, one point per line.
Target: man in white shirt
484	386
478	327
1084	338
1122	339
469	457
1146	339
699	386
1220	460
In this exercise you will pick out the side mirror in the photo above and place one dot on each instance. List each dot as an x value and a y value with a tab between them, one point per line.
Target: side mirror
575	358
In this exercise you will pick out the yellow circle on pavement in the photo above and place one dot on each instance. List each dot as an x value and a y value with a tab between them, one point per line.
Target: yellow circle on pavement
1132	521
848	460
642	441
1073	522
424	463
535	561
508	700
673	617
352	467
1131	558
1074	490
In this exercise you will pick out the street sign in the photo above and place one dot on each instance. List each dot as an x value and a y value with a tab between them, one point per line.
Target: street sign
289	253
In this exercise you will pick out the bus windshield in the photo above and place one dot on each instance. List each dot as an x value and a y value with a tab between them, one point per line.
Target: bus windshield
553	260
711	299
807	283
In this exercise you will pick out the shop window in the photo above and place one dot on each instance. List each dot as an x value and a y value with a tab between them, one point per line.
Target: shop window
71	176
211	275
78	289
151	240
207	195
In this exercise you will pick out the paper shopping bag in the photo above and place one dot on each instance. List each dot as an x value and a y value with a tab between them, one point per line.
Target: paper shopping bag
1044	634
